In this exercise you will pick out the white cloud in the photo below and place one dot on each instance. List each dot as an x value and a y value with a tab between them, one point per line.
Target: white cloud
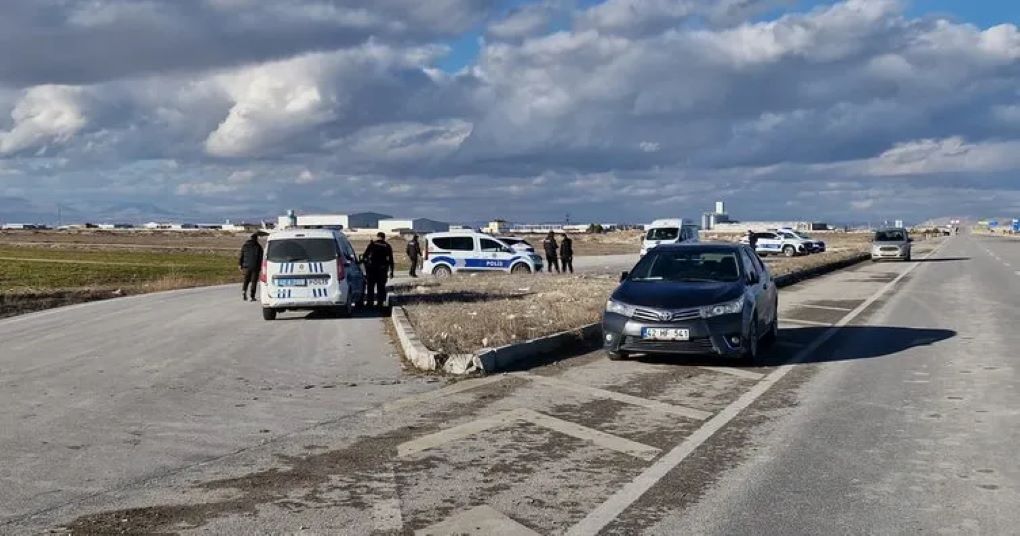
950	155
45	114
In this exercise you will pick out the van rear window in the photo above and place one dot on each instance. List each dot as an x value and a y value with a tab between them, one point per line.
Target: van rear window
663	233
303	249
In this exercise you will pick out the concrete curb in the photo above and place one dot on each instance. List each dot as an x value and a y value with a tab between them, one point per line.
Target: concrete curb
797	277
511	355
414	350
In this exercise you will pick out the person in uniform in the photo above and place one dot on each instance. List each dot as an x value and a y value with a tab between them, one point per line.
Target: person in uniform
551	252
414	255
250	264
378	260
567	254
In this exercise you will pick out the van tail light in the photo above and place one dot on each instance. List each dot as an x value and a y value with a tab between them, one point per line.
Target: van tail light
341	269
262	273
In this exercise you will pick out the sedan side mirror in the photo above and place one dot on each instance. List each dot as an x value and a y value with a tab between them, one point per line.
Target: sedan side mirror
624	276
910	240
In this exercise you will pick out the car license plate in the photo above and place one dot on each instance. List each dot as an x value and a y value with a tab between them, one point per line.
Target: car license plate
290	282
666	334
320	282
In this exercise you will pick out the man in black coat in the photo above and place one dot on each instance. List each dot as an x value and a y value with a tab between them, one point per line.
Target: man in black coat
378	259
752	240
567	254
551	255
414	255
250	264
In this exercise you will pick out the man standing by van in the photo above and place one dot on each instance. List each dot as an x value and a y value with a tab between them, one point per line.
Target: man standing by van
378	259
414	255
752	240
551	257
250	264
567	254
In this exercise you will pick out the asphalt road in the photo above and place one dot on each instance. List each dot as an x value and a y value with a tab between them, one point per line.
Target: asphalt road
102	395
890	405
923	441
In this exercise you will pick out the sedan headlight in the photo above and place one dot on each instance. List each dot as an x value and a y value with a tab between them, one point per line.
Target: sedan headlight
720	309
620	308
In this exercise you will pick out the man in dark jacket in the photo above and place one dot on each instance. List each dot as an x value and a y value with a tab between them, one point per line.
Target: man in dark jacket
551	248
413	254
752	240
378	259
250	264
567	254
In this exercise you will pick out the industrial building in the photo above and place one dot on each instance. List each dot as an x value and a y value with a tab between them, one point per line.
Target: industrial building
709	220
361	220
417	225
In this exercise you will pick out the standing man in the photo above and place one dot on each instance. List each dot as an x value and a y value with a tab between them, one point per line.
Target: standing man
250	264
567	253
414	254
551	248
752	240
378	259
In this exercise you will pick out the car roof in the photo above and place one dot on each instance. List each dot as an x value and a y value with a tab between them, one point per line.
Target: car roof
705	246
302	233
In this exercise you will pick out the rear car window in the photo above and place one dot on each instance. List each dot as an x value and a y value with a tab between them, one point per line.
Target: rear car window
663	233
455	243
302	249
687	266
489	245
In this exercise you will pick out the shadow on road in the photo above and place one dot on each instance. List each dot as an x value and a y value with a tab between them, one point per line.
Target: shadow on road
359	312
850	343
943	259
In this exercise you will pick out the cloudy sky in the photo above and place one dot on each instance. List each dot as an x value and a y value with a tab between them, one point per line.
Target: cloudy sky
464	110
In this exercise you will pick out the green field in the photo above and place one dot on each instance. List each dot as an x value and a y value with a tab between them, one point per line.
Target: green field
35	268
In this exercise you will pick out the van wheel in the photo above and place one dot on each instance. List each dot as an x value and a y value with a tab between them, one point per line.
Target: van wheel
520	268
268	313
442	271
789	251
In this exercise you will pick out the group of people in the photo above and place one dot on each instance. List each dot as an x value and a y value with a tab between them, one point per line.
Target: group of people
559	257
379	264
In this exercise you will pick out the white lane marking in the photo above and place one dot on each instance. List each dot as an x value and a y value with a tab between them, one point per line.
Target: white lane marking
480	520
788	320
602	439
606	512
457	432
736	372
439	393
826	307
595	392
386	514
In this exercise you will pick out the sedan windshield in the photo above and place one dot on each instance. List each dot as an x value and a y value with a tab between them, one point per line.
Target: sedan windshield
304	249
697	266
894	235
663	233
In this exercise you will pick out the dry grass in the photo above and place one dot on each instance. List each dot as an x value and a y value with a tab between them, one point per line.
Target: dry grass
463	314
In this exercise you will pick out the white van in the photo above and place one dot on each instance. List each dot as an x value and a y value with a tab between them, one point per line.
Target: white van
310	269
469	251
670	231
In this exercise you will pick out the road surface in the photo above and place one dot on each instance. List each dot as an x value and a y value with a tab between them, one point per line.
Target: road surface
889	405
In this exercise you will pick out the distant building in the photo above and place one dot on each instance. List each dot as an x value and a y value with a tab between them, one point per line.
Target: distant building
537	228
23	227
497	227
361	220
417	225
710	219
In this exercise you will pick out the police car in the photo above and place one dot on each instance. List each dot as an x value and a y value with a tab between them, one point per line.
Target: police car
813	245
780	243
468	251
310	269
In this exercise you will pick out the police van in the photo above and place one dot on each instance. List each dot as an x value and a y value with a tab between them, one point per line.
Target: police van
310	269
669	231
469	251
